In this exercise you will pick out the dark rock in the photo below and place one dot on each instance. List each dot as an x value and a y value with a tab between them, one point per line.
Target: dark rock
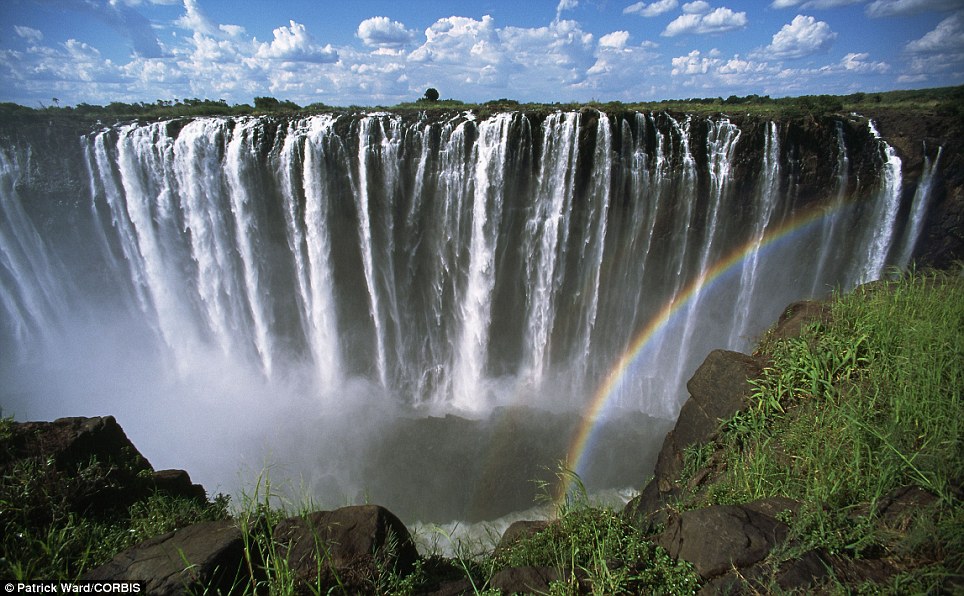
798	315
719	538
454	587
803	574
898	507
177	483
718	390
773	506
519	530
525	580
91	459
74	442
205	557
350	547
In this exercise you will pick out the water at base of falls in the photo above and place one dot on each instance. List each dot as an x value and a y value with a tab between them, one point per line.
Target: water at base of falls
427	315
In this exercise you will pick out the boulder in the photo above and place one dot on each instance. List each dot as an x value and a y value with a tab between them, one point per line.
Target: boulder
351	547
718	390
207	557
518	530
91	460
803	574
525	580
718	538
177	483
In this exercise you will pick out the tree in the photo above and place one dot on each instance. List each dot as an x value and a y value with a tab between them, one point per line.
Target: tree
431	94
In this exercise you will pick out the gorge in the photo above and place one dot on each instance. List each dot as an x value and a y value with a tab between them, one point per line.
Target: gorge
423	312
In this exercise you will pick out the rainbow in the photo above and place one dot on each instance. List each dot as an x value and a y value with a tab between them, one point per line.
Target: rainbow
592	414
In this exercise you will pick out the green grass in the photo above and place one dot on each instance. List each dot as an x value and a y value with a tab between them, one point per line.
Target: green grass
853	409
42	536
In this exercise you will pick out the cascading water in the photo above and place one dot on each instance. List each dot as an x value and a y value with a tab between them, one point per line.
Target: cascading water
361	276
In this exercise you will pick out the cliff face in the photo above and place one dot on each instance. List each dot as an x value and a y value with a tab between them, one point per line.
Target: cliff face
208	224
575	261
918	138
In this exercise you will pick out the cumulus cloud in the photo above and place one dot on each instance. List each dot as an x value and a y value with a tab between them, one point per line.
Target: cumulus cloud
804	36
858	62
565	5
889	8
652	9
194	19
693	63
448	39
616	40
697	7
381	32
948	36
293	44
29	33
718	21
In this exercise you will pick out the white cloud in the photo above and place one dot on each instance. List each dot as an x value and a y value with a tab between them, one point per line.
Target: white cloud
693	63
616	40
232	30
802	37
194	19
889	8
29	33
381	32
696	7
451	37
855	62
652	9
718	21
565	5
293	44
948	36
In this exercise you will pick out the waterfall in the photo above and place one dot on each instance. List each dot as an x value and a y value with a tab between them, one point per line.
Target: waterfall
880	231
832	211
768	191
918	209
348	272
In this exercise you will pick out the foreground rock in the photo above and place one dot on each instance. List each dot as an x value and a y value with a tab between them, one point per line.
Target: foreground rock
718	390
206	557
722	537
350	549
95	459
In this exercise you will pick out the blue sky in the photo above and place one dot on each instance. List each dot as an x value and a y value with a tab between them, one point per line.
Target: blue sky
379	52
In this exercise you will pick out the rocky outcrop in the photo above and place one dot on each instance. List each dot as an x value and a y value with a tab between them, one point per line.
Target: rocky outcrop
717	391
348	549
206	557
722	537
94	460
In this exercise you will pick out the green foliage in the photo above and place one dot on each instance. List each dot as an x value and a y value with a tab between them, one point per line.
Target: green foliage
852	410
943	100
43	536
596	543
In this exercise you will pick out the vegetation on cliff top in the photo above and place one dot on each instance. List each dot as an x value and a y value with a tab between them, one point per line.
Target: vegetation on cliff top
943	100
